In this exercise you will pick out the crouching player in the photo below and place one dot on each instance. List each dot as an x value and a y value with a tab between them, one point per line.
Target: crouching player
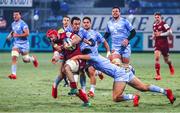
122	75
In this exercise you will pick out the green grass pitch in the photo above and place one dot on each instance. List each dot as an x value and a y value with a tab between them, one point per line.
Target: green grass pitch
31	92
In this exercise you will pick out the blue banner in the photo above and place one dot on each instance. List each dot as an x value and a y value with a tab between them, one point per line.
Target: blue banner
39	42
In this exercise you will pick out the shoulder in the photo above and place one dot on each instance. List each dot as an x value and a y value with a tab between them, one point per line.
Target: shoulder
124	20
165	25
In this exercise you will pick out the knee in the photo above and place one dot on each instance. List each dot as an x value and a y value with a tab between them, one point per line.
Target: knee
26	58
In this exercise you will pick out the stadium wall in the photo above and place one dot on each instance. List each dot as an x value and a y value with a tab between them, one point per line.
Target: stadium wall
141	42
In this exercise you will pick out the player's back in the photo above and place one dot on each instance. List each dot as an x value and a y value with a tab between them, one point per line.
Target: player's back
104	65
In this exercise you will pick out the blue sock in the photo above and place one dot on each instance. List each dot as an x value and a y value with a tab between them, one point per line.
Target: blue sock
57	80
83	82
154	88
13	69
128	97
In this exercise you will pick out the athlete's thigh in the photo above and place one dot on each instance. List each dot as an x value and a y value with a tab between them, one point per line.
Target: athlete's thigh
137	84
24	48
118	88
126	54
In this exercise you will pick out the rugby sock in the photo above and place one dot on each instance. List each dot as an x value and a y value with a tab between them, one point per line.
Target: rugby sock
31	58
154	88
170	64
157	67
83	83
13	69
57	81
128	97
73	85
92	88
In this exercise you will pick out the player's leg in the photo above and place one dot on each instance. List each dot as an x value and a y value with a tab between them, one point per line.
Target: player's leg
70	67
118	96
91	73
165	53
157	55
139	85
126	53
83	81
57	80
25	55
14	55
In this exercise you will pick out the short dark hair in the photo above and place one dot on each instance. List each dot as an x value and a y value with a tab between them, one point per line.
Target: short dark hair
66	17
75	18
116	7
157	13
17	11
88	18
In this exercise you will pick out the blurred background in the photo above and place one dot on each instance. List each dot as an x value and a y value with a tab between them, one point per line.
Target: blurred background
42	15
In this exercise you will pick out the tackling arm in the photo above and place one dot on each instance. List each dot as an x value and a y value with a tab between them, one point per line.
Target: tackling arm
81	57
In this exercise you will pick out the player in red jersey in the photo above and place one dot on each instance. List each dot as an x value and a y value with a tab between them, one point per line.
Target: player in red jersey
161	31
69	50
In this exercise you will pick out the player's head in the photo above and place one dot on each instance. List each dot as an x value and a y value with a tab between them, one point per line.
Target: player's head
16	15
157	16
116	12
75	23
66	21
52	34
86	23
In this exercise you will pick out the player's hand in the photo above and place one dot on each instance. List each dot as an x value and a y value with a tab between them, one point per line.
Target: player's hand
67	45
54	60
15	35
125	42
8	38
92	42
108	54
58	48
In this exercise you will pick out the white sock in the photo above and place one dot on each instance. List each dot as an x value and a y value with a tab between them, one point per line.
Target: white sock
13	69
92	88
83	88
31	58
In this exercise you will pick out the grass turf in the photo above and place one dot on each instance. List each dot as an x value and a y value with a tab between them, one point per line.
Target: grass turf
31	92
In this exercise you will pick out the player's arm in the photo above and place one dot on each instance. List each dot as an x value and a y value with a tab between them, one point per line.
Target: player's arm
81	57
106	35
167	33
8	38
131	35
24	34
106	45
75	39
